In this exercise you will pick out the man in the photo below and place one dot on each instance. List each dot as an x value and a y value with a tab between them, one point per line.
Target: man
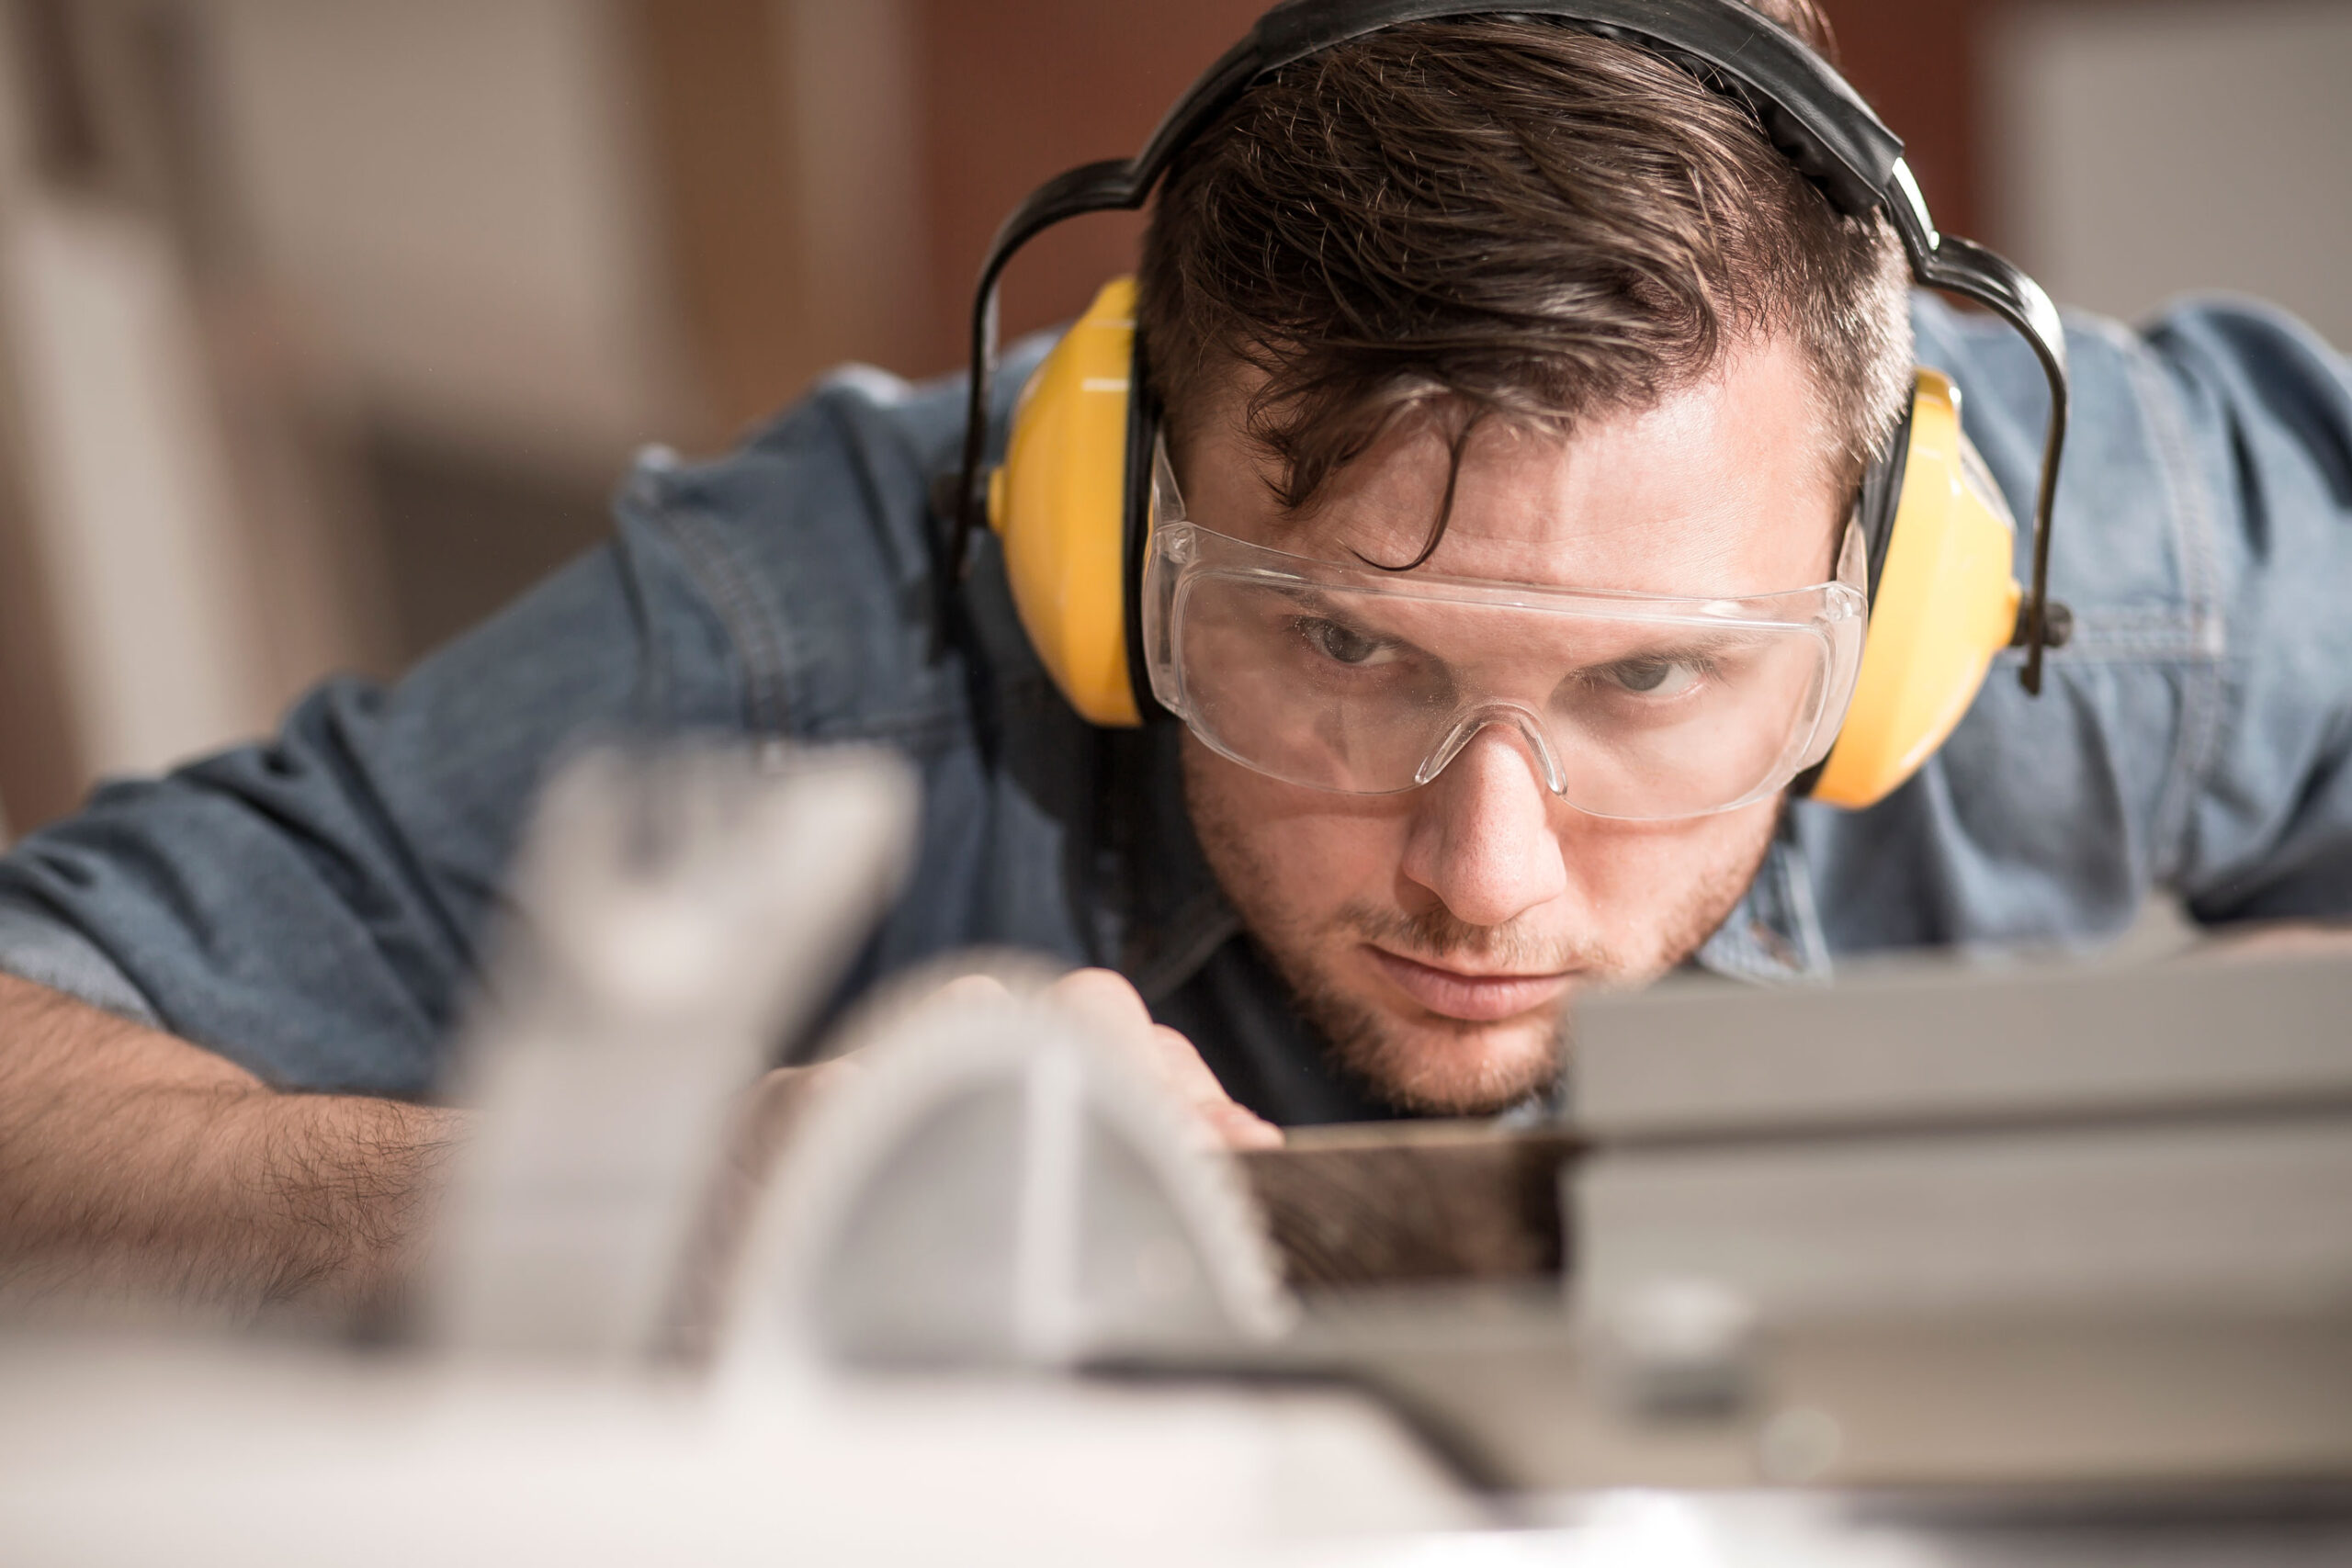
1485	300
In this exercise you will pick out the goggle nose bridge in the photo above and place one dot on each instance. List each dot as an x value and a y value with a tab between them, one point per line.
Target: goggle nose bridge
1468	726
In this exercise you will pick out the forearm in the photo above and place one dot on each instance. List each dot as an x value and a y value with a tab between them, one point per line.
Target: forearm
133	1162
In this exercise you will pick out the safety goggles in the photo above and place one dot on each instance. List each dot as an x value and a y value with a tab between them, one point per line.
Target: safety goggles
1352	679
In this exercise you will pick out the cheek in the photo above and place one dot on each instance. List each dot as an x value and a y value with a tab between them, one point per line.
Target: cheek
1644	893
1286	852
1628	859
1644	882
1324	859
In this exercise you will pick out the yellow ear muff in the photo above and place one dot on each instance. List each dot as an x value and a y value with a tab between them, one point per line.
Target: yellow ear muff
1059	505
1946	603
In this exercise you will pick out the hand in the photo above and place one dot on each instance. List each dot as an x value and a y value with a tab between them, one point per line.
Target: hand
780	1103
1114	1009
1099	998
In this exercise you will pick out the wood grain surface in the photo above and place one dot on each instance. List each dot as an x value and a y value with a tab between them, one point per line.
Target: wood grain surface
1397	1202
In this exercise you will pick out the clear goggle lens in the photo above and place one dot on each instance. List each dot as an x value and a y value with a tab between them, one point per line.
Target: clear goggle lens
1629	705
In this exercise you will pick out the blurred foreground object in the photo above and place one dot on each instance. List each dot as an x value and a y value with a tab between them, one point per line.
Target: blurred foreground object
1991	1266
2073	1224
2066	1233
992	1186
995	1188
680	914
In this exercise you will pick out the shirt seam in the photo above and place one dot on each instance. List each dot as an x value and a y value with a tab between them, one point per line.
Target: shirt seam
752	629
2194	537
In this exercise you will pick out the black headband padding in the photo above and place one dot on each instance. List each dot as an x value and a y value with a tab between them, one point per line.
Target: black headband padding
1812	115
1810	112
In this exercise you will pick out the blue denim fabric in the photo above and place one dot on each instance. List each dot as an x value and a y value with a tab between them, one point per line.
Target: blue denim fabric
312	907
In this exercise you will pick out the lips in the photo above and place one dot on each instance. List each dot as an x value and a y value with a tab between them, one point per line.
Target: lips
1471	998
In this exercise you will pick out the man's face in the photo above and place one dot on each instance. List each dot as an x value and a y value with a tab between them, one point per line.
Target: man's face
1437	937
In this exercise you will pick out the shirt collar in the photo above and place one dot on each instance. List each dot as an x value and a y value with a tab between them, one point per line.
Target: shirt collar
1773	934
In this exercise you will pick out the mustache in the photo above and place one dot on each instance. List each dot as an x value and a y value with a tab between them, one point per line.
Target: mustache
1437	935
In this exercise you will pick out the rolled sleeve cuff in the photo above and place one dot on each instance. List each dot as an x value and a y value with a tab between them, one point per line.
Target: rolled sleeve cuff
39	947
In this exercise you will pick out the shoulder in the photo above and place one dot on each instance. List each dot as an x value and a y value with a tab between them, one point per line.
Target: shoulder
2202	540
2119	557
814	545
2217	413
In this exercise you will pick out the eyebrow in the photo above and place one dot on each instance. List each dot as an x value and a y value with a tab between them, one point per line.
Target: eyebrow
1316	602
1704	640
1704	643
1310	597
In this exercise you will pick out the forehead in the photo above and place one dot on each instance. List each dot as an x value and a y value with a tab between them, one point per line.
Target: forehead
1721	488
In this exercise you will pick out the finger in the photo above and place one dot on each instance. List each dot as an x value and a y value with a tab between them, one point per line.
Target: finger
970	989
1104	1000
1178	1062
775	1106
1239	1127
1180	1067
1115	1009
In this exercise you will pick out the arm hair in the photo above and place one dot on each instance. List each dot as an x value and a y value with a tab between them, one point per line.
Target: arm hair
136	1164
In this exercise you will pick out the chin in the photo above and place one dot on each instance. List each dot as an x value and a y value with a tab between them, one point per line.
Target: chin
1437	1067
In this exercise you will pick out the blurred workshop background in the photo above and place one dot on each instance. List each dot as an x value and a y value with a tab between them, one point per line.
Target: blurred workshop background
325	325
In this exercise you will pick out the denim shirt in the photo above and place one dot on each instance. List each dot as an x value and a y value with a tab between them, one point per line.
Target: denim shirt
312	907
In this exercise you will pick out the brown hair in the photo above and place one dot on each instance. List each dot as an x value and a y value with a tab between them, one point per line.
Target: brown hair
1503	216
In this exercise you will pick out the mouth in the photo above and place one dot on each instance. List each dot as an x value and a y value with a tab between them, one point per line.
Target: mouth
1467	996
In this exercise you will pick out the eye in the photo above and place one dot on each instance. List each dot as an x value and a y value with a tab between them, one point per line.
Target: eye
1659	678
1340	644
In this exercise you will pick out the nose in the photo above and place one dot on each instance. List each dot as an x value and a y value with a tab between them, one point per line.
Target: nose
1482	839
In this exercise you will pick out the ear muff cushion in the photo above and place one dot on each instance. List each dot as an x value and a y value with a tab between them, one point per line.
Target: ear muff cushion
1059	505
1946	603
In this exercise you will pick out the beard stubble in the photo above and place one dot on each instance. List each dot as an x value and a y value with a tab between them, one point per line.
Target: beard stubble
1455	1068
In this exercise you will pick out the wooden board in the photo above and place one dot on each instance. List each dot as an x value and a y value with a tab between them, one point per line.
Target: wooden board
1427	1202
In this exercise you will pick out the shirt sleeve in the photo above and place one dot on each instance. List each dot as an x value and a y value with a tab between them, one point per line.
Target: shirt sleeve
34	945
2269	834
2195	737
312	907
309	907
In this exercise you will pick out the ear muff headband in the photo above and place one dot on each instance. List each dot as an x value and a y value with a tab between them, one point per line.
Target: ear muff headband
1937	540
1812	115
